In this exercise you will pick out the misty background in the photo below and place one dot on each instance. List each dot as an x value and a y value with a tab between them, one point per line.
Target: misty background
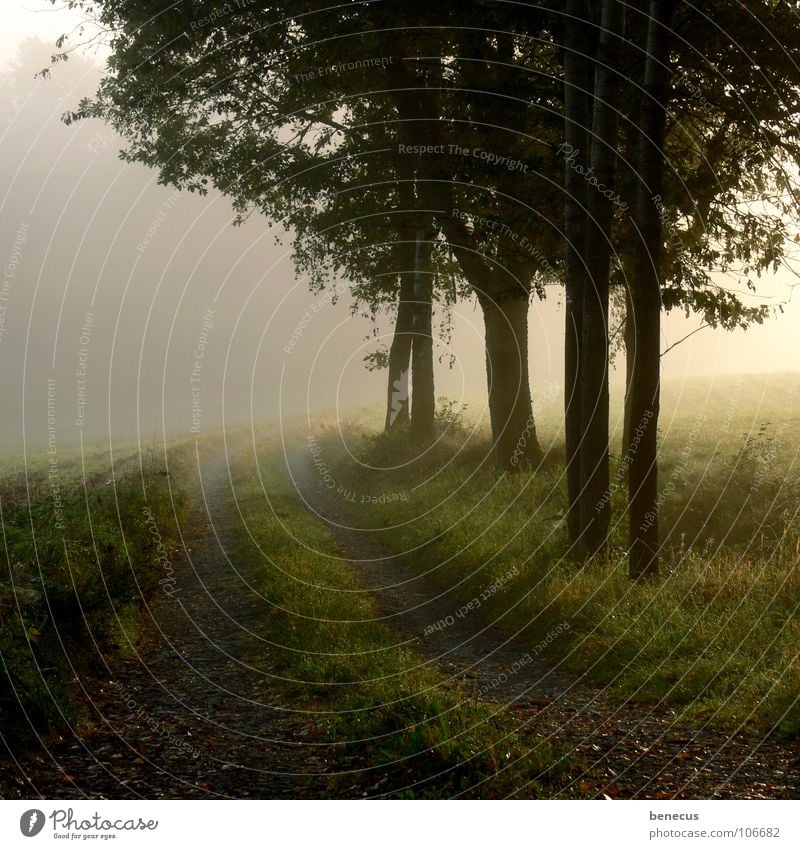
145	313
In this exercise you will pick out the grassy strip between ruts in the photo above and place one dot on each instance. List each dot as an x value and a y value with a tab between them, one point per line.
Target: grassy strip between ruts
428	738
85	543
719	635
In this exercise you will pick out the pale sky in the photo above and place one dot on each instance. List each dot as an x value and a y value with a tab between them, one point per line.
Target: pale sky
91	212
767	348
20	19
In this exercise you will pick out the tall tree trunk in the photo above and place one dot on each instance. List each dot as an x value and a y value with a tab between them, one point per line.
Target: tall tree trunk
646	300
510	409
423	405
629	345
398	397
594	359
577	116
416	102
398	404
409	95
504	302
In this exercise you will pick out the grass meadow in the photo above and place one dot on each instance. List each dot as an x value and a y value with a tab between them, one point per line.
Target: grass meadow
718	635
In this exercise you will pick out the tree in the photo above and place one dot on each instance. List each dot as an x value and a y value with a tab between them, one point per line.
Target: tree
591	85
275	106
449	141
645	298
708	148
594	351
692	186
577	112
248	99
484	211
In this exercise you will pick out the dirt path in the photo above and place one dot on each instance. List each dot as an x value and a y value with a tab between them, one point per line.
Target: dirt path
627	750
196	713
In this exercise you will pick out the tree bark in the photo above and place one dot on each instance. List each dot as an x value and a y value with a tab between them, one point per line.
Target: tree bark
511	419
423	404
577	99
514	437
409	95
594	359
504	303
398	396
630	347
646	301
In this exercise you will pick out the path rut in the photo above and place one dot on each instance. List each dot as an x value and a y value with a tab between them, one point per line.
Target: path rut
626	749
195	714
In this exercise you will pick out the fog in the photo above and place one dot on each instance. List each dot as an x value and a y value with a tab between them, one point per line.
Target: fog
133	310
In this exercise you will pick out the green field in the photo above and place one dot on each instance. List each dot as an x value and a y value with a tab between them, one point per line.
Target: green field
85	554
718	635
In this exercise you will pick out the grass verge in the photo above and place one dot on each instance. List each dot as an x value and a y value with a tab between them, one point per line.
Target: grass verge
718	635
424	736
85	543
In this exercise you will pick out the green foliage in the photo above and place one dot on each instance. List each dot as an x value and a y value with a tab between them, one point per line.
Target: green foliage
758	505
450	415
297	110
377	360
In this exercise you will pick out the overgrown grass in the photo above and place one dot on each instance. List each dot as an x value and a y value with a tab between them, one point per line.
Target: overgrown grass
347	666
719	634
81	555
